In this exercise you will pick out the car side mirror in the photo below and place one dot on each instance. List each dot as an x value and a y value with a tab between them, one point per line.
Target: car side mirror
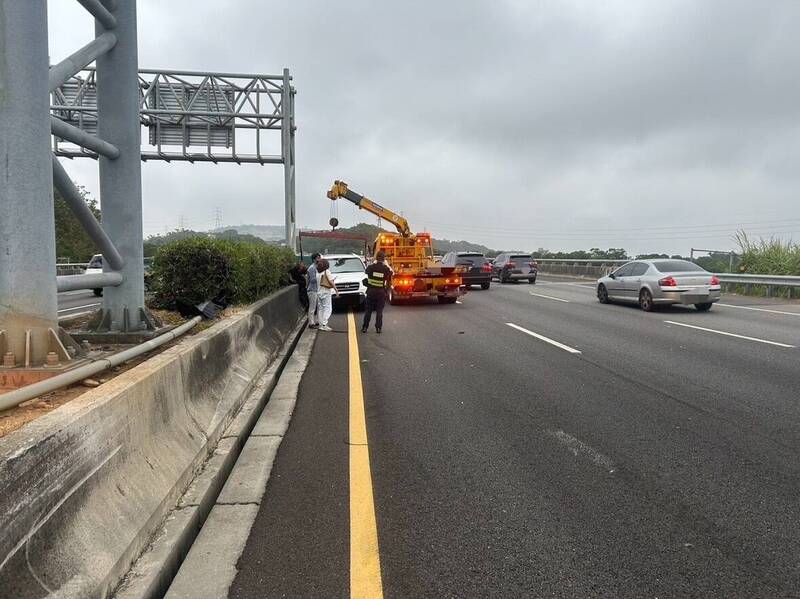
612	275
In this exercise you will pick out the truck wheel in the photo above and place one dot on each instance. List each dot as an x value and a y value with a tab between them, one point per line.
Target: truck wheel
392	299
447	300
486	285
98	292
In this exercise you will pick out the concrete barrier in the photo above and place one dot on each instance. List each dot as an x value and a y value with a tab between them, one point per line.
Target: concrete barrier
83	488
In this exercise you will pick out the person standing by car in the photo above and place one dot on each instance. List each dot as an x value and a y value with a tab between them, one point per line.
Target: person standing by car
379	278
326	288
312	288
298	275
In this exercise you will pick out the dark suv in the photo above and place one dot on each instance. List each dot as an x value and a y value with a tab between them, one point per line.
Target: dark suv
478	271
515	267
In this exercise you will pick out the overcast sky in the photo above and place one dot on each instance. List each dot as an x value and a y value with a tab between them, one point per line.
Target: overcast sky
650	125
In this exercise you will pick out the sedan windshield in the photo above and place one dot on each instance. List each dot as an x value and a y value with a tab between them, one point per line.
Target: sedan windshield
677	266
347	265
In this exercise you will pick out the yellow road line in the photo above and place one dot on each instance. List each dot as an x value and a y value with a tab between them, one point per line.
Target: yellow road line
365	563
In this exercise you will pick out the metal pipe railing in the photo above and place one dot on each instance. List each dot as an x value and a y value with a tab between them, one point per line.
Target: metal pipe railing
79	137
85	217
100	13
75	63
16	397
92	281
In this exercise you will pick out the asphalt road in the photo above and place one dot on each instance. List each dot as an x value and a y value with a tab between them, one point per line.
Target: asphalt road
659	461
75	302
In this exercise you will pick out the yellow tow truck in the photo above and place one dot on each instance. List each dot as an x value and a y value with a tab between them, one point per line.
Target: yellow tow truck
416	274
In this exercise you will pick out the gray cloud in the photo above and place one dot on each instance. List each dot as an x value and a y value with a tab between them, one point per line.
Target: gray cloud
516	124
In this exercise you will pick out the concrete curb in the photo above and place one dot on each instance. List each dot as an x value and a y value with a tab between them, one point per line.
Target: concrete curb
210	567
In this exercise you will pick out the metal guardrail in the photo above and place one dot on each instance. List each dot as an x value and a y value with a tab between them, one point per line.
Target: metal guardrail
594	267
597	261
769	280
70	268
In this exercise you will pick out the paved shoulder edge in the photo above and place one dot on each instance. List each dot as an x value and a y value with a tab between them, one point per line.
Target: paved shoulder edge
153	572
210	567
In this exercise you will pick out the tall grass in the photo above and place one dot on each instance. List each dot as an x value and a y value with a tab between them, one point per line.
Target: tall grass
768	256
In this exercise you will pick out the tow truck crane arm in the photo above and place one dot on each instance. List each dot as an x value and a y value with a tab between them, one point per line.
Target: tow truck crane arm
340	190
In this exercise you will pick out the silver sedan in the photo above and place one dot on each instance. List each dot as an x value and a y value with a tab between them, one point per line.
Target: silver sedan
653	282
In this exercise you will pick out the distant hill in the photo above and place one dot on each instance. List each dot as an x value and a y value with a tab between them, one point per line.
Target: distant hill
270	233
335	246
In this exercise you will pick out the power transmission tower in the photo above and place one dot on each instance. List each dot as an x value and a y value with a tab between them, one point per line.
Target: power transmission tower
217	218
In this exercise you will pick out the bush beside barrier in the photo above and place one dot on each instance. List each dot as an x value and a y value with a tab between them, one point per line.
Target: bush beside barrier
768	256
191	271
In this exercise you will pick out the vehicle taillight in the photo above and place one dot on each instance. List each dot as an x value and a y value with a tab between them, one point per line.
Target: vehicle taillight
454	281
487	267
668	282
714	280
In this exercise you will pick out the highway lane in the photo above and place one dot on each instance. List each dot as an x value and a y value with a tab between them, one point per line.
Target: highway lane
659	461
76	302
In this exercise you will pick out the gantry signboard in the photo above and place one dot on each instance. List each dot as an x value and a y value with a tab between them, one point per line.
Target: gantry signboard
191	116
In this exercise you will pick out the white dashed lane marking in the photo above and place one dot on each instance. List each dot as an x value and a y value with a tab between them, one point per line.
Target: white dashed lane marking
727	334
567	348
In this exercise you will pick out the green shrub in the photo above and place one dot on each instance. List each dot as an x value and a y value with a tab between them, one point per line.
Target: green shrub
192	270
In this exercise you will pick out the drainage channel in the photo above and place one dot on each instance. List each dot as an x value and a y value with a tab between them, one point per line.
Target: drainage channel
215	514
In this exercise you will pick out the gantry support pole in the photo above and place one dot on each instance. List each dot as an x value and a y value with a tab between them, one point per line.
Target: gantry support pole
28	304
121	178
287	152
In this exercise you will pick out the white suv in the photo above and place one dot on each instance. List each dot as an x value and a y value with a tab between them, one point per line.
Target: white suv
350	278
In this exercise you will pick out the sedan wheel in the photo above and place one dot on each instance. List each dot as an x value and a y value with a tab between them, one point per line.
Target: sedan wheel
602	294
646	300
703	307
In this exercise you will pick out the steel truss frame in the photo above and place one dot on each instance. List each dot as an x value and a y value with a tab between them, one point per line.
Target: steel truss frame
186	109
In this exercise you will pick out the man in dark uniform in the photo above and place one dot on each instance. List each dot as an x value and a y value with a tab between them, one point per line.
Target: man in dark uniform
298	274
379	279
